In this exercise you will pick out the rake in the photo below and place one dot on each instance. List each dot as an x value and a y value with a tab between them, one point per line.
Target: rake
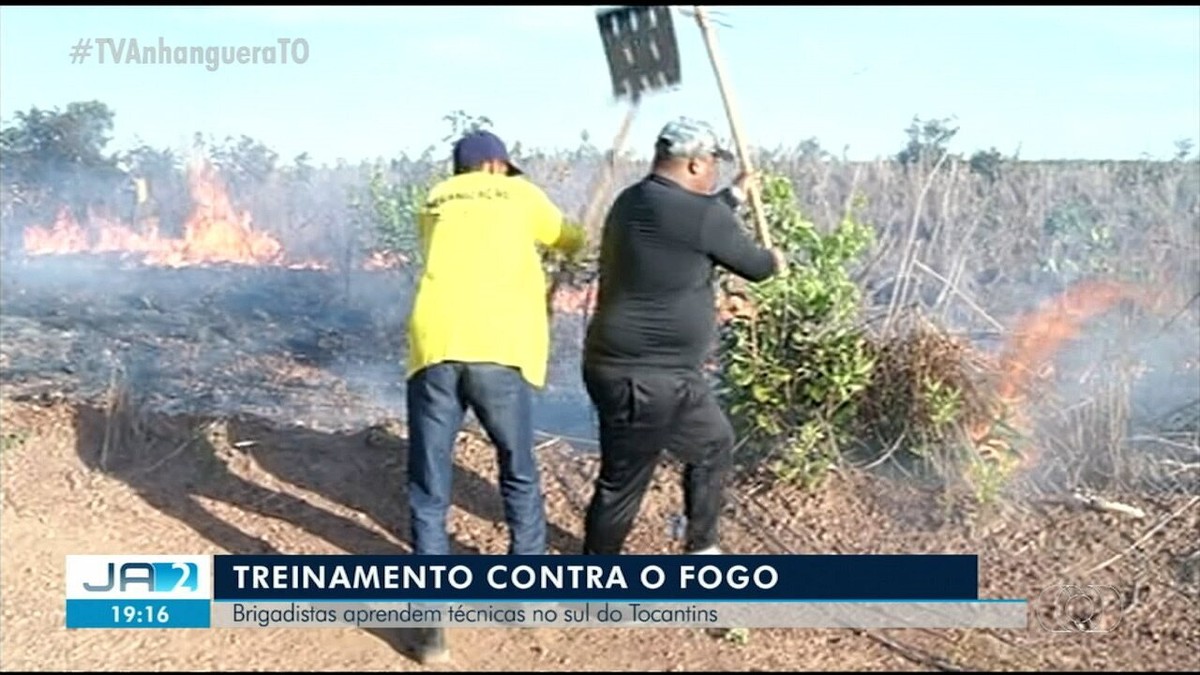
643	59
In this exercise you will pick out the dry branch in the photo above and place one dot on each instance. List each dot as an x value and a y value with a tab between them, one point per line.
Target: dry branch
1101	504
113	410
953	287
196	435
1145	537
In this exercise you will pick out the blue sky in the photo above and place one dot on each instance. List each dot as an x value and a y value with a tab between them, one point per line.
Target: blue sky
1057	82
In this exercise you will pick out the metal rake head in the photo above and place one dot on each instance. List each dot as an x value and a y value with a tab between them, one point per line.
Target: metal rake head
640	45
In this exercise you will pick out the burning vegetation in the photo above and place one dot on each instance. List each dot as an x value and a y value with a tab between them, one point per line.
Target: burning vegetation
214	232
230	281
810	384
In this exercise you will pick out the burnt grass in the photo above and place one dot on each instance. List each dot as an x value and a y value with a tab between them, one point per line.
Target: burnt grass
318	347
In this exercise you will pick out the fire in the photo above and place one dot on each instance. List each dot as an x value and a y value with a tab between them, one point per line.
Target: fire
379	260
64	236
1040	334
215	232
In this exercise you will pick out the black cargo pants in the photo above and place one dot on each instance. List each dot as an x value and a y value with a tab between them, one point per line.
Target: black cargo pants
642	414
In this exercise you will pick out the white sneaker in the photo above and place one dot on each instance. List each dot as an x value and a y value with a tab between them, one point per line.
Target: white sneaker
711	550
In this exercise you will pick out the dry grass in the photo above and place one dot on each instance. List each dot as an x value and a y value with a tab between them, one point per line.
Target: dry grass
915	364
932	409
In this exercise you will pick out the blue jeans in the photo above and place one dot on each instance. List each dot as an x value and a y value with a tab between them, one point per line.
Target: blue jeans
502	400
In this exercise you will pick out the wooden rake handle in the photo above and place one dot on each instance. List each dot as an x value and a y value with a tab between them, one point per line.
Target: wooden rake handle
592	211
735	122
591	214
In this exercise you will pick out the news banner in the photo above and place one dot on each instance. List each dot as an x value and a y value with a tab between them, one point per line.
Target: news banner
723	591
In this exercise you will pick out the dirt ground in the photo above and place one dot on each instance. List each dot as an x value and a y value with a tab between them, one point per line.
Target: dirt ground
238	485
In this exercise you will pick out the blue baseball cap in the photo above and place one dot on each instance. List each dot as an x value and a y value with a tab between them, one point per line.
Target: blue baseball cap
480	146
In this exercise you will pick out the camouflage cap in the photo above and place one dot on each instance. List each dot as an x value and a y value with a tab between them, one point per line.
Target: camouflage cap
687	137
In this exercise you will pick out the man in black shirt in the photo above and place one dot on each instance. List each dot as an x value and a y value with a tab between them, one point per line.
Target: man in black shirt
654	327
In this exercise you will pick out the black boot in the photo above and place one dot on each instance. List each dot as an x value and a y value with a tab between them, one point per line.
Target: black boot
431	646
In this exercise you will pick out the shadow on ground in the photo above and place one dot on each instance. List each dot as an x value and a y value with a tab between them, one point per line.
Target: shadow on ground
173	462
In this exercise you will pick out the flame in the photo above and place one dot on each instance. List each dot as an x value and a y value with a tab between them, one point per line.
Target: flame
64	236
215	232
380	260
1040	334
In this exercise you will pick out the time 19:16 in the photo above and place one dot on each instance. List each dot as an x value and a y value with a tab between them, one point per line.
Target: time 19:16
132	614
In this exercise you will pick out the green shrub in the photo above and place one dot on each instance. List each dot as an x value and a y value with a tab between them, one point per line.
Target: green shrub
394	210
795	366
390	211
806	384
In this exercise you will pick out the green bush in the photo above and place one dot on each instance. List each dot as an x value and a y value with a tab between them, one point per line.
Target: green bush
393	210
806	384
390	210
1076	245
794	367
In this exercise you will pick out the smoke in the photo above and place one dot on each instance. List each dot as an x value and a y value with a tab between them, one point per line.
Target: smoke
1109	376
38	194
982	251
215	338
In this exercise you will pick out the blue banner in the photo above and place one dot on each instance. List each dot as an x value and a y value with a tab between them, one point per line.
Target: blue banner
719	578
127	613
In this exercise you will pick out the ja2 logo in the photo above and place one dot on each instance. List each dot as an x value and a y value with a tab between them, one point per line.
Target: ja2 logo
156	577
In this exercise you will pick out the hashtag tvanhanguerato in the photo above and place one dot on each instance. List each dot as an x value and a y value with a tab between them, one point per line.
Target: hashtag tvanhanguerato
122	51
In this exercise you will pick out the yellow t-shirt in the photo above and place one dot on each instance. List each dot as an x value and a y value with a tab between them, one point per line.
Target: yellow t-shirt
482	294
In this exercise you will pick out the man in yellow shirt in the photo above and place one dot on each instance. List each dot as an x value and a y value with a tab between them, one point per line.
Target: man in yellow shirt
479	336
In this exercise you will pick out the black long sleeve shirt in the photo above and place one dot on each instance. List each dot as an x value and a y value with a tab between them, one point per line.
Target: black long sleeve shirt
658	255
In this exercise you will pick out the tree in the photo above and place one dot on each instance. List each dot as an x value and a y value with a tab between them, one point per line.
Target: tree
246	164
810	150
1183	149
462	123
987	163
927	140
51	158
